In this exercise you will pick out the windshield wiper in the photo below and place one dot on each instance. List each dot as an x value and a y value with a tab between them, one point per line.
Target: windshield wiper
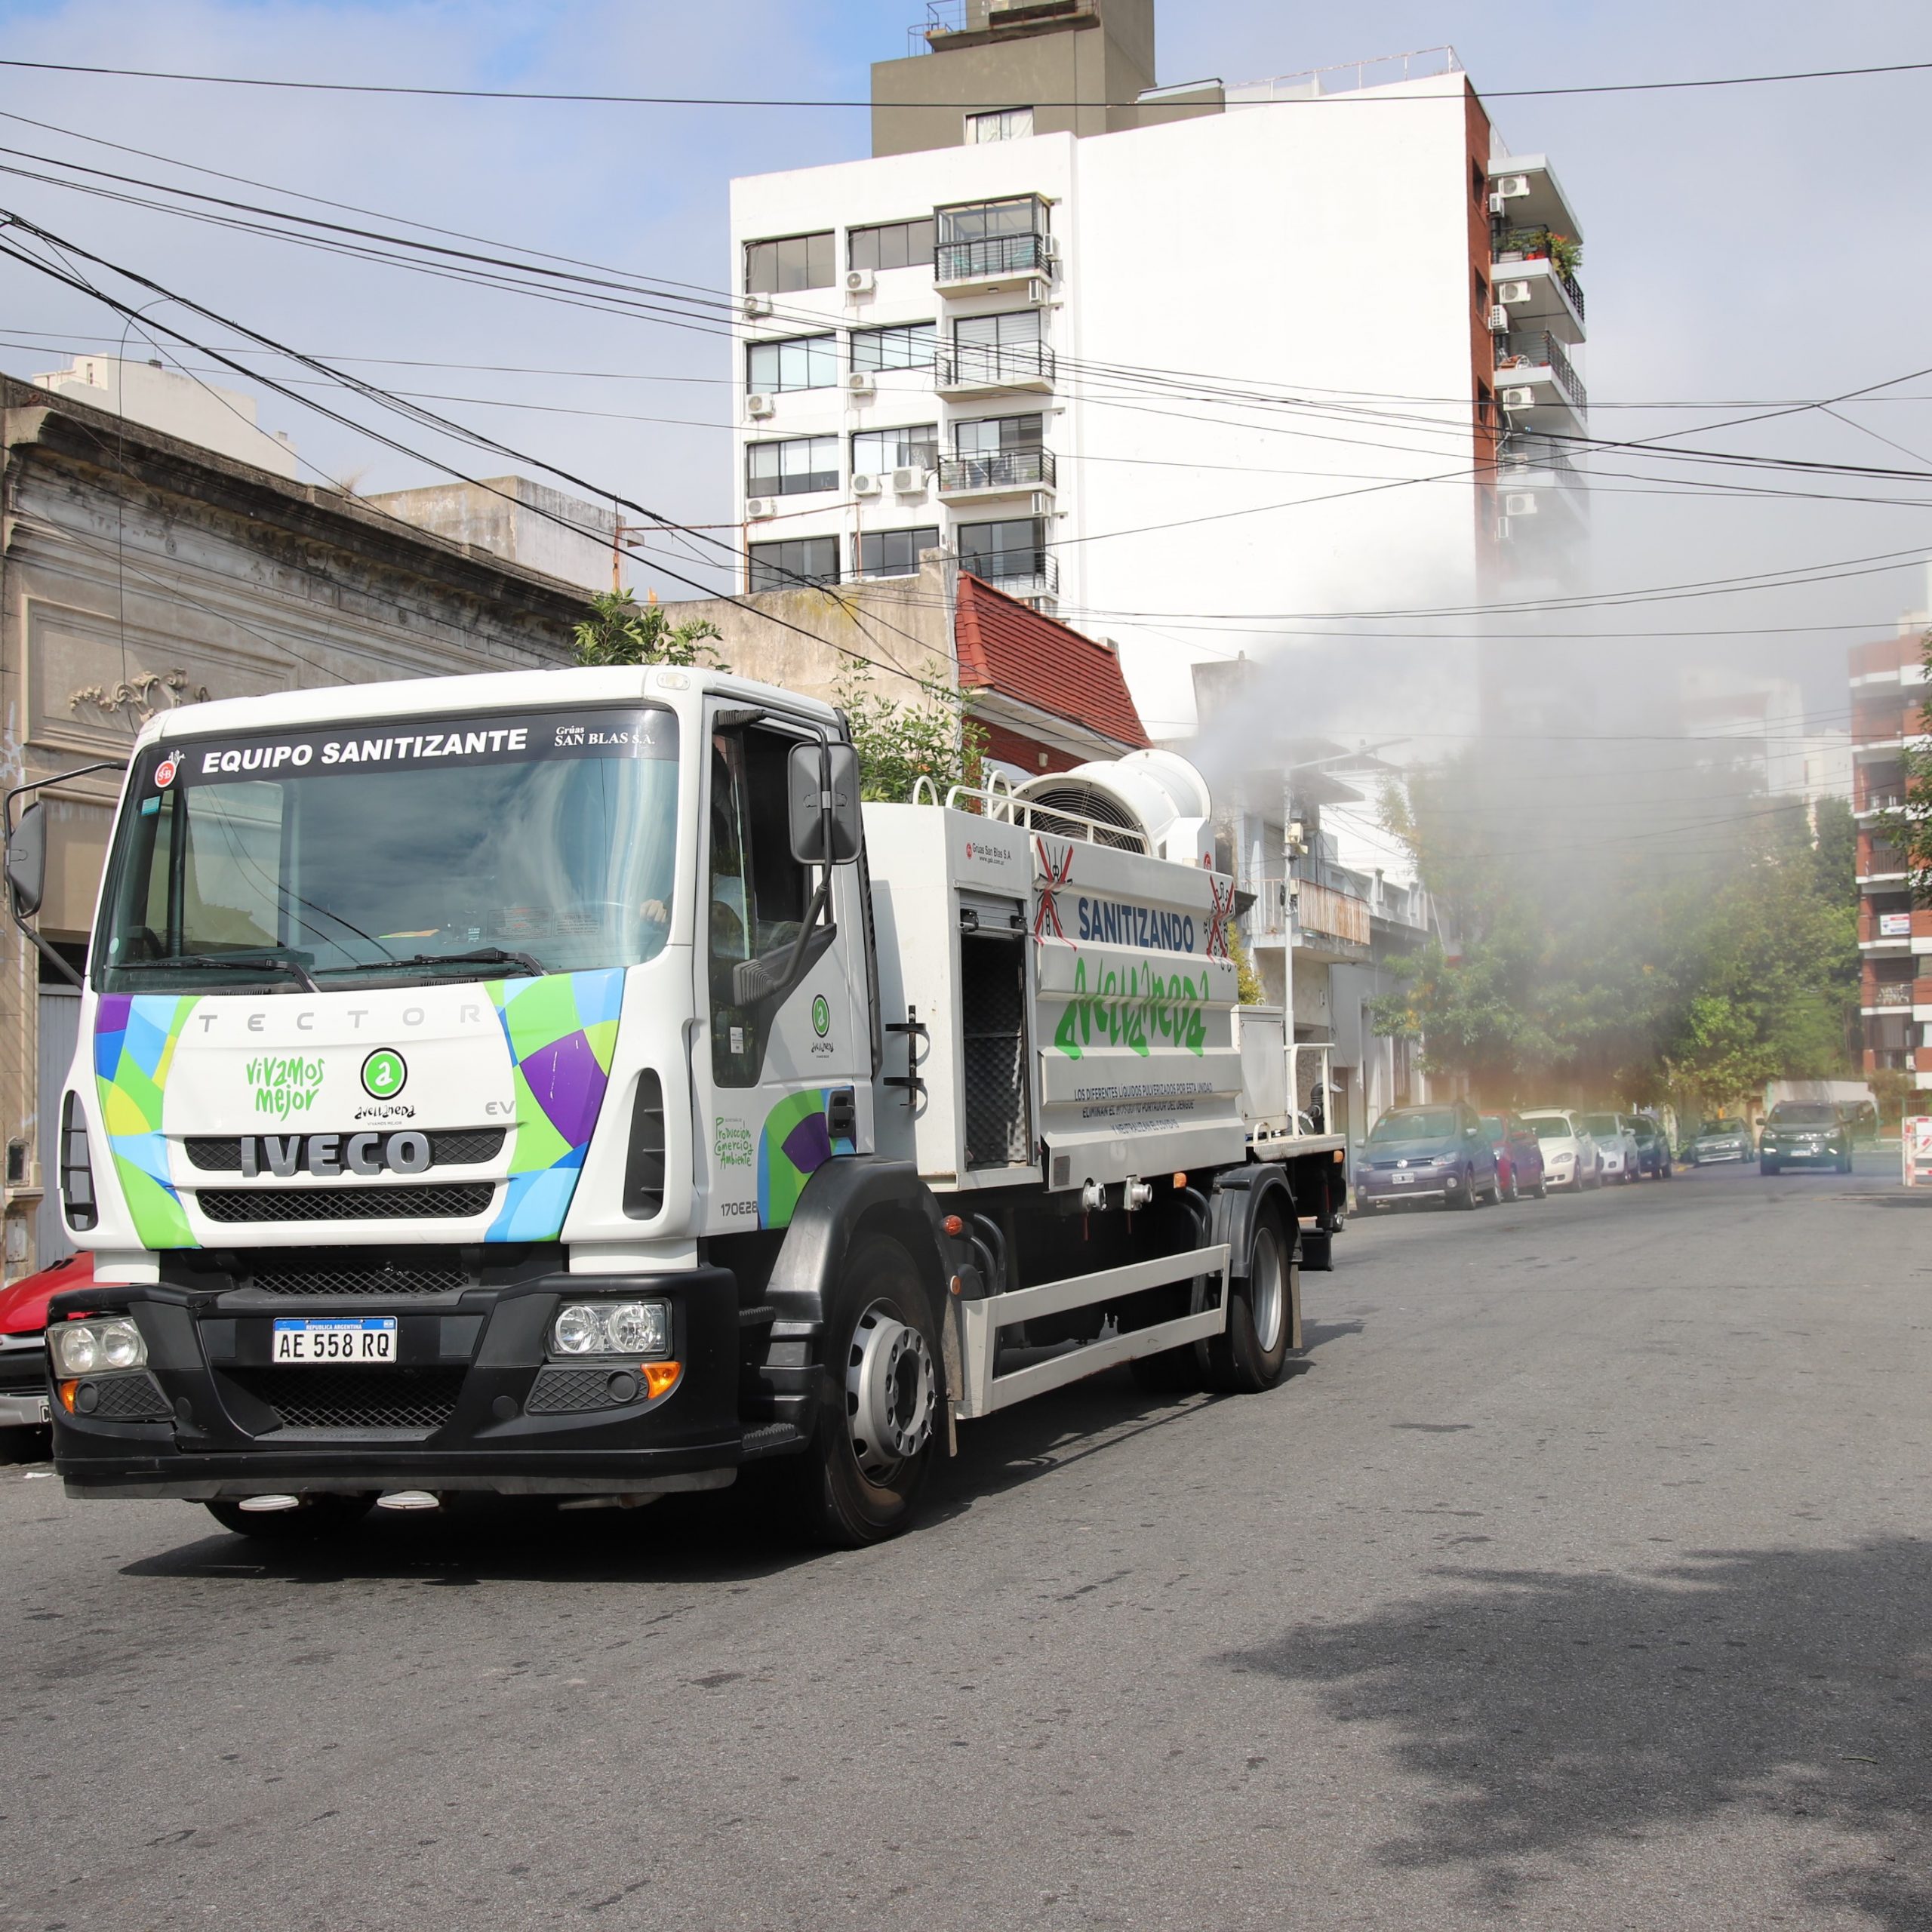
245	962
481	955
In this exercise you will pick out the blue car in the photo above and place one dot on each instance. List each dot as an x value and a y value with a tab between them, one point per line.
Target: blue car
1436	1153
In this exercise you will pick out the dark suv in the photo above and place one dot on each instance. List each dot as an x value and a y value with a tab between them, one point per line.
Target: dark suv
1810	1133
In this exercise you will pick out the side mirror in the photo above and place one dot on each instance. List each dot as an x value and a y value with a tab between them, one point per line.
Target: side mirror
26	862
806	803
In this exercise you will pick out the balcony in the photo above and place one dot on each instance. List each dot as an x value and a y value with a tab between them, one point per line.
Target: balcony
1536	382
1322	914
1879	727
1032	572
973	369
1889	994
991	263
948	21
964	477
1537	295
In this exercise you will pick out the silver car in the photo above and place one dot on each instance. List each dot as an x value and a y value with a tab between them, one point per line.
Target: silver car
1616	1145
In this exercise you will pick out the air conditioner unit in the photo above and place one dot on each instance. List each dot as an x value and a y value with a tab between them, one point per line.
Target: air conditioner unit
864	485
757	508
1499	318
1520	503
860	383
1038	293
1049	248
1497	205
1513	292
1519	398
756	306
909	478
858	281
756	405
1508	187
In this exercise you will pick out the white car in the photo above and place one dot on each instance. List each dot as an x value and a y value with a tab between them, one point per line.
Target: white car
1569	1158
1616	1145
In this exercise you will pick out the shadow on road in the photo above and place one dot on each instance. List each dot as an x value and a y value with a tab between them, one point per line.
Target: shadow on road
1556	1716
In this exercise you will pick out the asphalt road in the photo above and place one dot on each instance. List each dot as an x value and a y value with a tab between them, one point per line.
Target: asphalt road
1582	1578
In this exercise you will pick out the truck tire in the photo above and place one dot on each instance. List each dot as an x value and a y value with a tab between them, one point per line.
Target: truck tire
858	1480
314	1517
1250	1354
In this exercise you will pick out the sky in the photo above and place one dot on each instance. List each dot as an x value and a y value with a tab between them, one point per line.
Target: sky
1742	246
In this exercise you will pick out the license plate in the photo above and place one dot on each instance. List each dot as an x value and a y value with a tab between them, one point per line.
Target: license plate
370	1338
1405	1181
46	1414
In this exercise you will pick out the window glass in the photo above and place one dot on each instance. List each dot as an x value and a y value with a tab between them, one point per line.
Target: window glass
1013	546
915	447
755	895
1550	1126
981	221
1431	1123
992	435
892	245
908	346
1000	331
798	261
788	469
797	560
1004	124
895	552
795	362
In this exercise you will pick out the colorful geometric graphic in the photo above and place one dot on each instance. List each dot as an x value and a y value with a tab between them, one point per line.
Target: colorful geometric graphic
795	1142
134	1047
561	1030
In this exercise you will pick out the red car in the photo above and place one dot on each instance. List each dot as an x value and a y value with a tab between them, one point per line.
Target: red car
23	1391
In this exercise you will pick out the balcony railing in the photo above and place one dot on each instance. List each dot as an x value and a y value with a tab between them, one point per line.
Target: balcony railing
1883	801
946	17
991	255
1505	256
1538	348
1006	470
1890	992
1030	572
977	366
1320	908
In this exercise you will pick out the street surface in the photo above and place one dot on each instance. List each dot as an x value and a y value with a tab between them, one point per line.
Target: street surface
1583	1578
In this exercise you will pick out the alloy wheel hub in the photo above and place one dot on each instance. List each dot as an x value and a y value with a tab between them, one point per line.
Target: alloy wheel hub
892	1391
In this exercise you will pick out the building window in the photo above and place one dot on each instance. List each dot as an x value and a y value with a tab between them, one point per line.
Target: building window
995	435
908	346
797	560
997	349
876	451
1004	124
1013	547
798	362
793	468
992	221
895	552
1478	183
892	245
1482	289
798	261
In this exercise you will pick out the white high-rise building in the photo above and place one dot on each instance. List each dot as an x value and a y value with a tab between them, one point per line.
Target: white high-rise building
1149	353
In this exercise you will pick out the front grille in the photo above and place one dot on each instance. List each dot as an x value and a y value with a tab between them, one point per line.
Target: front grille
571	1390
381	1278
135	1397
450	1202
349	1398
459	1147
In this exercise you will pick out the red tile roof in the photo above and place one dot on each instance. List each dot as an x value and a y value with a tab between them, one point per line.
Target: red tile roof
1008	647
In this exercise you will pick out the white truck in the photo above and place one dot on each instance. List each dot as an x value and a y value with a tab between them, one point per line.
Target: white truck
555	1083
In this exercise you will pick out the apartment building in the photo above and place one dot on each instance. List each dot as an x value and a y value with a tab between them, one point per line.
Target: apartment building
1889	690
1137	352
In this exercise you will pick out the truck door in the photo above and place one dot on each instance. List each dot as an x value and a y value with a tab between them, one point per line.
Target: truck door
785	1079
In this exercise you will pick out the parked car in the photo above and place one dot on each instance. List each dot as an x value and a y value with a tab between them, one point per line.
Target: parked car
1812	1133
1616	1145
24	1388
1724	1139
1437	1153
1518	1156
1569	1154
1652	1147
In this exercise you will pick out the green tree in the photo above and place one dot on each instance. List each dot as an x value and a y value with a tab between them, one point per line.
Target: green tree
1248	982
899	744
619	630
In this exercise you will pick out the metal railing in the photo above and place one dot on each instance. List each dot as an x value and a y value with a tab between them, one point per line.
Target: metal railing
998	800
972	365
1508	251
1425	63
1538	348
1030	572
1311	1087
944	17
1882	802
1005	469
992	254
1321	909
1891	992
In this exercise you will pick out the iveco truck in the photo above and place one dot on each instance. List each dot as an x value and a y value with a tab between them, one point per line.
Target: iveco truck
556	1083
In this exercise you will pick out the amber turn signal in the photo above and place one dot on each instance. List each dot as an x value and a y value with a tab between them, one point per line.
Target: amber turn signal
67	1395
660	1378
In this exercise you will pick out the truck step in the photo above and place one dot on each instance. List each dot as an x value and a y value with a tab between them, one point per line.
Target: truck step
770	1438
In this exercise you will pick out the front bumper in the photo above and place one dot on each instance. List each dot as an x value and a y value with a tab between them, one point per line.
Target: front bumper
1704	1156
1826	1156
1380	1185
23	1391
460	1409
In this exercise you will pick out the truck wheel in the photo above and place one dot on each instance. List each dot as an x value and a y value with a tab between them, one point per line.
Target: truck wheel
314	1516
860	1477
1250	1353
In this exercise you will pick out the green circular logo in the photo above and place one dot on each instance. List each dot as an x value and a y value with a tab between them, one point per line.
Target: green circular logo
383	1074
821	1016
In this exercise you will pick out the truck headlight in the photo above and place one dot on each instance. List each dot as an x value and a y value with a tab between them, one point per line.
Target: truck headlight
86	1348
638	1329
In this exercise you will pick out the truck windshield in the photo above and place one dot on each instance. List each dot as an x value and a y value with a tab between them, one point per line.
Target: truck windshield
471	847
